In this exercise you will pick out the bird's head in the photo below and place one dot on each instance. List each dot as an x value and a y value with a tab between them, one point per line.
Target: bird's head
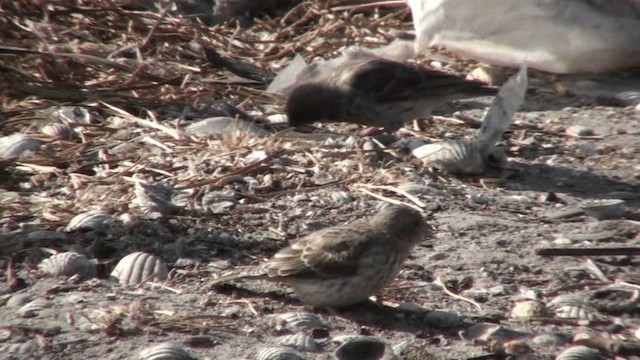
309	103
403	223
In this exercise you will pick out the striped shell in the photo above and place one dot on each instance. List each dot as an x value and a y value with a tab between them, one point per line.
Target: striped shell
31	309
68	264
58	131
302	342
139	267
165	351
90	220
295	321
13	146
454	156
278	353
573	306
580	353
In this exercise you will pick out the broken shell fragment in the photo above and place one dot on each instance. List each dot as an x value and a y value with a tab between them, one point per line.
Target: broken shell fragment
68	264
302	342
139	267
603	209
58	131
295	321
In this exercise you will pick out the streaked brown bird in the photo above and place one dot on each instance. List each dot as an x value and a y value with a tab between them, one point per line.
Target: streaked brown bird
360	87
344	264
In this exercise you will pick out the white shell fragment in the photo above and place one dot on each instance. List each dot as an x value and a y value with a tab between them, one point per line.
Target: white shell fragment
294	321
139	267
302	342
13	146
90	220
470	156
580	353
68	264
165	351
529	309
218	126
455	156
58	131
73	115
32	308
573	306
603	209
278	353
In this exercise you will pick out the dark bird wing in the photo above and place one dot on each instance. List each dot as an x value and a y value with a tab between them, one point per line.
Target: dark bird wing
331	252
386	80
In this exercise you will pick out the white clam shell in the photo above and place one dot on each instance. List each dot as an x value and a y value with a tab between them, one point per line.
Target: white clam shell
294	321
454	156
32	308
573	306
139	267
68	264
13	146
165	351
580	353
278	353
58	131
302	342
90	220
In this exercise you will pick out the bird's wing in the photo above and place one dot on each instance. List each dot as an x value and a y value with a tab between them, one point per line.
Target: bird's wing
387	80
331	252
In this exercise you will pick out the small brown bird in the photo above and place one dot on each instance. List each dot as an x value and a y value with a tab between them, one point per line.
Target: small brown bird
362	88
344	264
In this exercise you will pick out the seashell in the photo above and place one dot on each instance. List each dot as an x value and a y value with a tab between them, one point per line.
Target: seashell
300	342
68	264
31	309
580	353
222	125
278	353
455	156
614	299
90	220
573	306
361	348
73	115
13	146
18	300
139	267
491	333
58	131
295	321
603	209
26	350
165	351
155	198
529	309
